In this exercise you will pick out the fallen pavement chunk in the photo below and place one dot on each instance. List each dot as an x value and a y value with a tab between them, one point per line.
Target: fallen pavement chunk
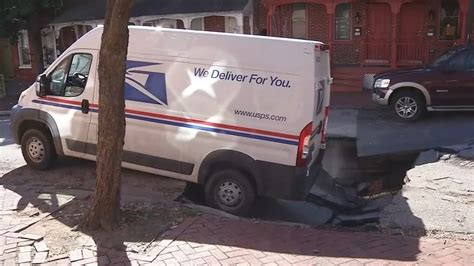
326	192
41	246
75	255
31	236
427	157
358	219
40	257
87	253
467	154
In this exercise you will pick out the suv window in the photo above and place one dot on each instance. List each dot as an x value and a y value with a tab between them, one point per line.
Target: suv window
69	78
463	61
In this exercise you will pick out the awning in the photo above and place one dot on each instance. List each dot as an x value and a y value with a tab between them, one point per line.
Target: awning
87	10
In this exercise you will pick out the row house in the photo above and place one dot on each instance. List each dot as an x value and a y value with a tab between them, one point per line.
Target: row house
369	36
365	36
79	17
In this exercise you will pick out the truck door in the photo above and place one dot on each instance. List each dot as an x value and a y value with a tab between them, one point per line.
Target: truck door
68	102
322	92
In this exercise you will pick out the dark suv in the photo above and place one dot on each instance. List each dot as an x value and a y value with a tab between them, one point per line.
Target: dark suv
445	85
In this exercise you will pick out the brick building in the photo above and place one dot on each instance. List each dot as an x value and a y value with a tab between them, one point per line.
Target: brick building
366	36
369	36
21	62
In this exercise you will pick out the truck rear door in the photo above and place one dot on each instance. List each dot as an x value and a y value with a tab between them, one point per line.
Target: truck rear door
322	90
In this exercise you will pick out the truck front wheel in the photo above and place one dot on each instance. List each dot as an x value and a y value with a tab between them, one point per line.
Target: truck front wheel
37	149
230	191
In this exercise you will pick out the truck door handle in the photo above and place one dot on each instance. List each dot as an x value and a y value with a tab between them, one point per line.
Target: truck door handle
85	106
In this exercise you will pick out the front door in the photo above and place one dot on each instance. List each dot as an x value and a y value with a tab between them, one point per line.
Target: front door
69	98
454	85
378	37
412	20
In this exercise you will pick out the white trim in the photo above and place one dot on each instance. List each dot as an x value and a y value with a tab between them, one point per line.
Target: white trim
20	49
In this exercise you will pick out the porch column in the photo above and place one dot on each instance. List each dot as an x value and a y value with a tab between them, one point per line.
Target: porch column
271	10
240	22
330	10
395	7
187	22
465	19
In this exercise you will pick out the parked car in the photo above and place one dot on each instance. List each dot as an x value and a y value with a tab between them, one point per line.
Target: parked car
201	107
445	85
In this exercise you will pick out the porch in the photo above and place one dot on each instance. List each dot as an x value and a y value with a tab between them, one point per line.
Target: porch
370	36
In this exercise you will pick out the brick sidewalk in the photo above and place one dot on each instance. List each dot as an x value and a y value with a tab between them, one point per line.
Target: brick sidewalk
219	241
214	240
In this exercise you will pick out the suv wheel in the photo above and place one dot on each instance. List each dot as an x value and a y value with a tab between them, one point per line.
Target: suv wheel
230	191
37	149
408	106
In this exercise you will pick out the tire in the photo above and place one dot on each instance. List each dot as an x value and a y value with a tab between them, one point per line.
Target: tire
230	191
408	106
38	149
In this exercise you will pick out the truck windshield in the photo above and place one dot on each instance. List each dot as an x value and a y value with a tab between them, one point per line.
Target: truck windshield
446	56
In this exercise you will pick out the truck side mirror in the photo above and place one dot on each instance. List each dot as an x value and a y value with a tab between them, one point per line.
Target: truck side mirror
43	87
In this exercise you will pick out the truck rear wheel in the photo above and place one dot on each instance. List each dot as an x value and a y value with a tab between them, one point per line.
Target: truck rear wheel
37	149
230	191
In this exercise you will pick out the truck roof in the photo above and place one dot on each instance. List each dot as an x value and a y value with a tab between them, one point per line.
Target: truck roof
145	30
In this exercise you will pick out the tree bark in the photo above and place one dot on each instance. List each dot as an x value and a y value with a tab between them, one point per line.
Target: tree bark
105	211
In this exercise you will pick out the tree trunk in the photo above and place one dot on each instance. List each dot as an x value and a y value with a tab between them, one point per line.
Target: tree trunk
105	211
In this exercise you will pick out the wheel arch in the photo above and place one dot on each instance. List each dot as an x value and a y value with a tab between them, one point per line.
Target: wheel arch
413	86
37	119
222	159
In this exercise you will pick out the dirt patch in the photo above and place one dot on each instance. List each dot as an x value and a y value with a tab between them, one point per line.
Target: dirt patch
142	223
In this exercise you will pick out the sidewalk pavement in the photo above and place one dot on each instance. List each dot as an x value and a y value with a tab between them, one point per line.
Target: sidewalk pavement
211	240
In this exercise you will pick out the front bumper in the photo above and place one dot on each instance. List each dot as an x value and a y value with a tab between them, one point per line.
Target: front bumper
381	96
15	119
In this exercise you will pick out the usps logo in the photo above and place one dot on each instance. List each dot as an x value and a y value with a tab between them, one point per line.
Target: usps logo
143	84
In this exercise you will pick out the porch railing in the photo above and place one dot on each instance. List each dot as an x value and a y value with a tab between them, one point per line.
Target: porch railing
411	53
366	54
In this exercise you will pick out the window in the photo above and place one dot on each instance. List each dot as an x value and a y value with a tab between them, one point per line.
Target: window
463	61
231	25
24	49
343	22
298	21
69	78
197	24
449	20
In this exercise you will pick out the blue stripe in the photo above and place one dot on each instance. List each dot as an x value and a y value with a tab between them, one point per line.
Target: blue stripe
59	105
180	124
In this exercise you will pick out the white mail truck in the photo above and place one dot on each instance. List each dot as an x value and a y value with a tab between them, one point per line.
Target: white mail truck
244	116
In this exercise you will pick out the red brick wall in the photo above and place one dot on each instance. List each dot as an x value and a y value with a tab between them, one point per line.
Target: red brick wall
349	52
259	17
214	23
317	22
282	21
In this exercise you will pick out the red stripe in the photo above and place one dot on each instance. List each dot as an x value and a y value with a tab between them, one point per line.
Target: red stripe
187	120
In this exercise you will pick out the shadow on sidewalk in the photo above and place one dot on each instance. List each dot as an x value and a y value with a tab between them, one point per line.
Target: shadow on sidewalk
77	179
